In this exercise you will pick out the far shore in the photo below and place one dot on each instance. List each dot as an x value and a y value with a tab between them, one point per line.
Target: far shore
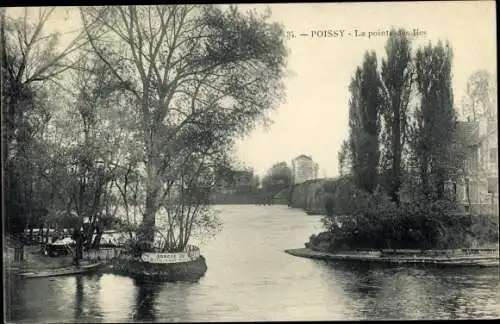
458	257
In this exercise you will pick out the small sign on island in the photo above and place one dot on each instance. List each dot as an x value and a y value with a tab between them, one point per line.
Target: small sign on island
170	257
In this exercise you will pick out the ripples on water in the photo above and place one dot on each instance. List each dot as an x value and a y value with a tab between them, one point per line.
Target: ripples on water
250	278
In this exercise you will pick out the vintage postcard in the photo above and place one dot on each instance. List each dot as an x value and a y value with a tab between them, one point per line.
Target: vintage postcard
250	162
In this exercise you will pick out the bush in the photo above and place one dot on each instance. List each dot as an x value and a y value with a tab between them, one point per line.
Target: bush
359	220
484	229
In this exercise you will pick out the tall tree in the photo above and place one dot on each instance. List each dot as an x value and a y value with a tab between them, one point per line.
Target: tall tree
30	58
435	119
195	73
397	77
480	97
364	121
94	154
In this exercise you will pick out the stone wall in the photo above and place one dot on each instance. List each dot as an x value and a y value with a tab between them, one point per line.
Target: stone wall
309	196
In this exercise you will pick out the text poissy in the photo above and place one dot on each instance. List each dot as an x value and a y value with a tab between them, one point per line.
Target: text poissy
327	33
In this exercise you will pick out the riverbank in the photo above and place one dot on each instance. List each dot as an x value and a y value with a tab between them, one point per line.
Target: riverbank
33	260
486	258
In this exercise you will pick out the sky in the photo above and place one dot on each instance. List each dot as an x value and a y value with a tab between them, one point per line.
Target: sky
314	118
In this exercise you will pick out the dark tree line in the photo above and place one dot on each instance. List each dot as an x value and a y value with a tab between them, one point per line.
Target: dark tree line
405	147
135	116
386	136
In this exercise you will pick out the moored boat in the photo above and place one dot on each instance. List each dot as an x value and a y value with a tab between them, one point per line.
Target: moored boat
61	271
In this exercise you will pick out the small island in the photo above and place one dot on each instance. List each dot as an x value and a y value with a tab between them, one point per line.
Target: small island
417	183
128	135
363	227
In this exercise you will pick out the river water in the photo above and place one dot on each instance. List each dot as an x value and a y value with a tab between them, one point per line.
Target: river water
250	278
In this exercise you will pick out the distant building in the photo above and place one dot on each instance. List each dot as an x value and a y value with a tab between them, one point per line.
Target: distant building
477	191
303	169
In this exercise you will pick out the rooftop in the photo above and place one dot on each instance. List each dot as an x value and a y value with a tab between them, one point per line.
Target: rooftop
303	156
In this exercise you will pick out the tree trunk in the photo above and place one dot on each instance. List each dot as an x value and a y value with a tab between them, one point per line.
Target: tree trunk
396	158
79	238
18	253
152	187
78	251
149	217
440	190
440	184
97	240
425	180
467	191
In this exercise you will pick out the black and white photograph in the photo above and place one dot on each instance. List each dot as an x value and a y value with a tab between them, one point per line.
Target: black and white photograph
240	162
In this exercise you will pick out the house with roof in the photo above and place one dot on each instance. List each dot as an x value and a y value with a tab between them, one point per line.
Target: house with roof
477	190
304	169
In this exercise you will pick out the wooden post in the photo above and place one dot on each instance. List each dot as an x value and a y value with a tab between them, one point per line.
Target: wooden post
30	233
18	252
40	234
493	204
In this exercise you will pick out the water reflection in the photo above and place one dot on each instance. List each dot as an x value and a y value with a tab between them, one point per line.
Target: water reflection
79	297
249	278
116	296
145	301
394	292
86	302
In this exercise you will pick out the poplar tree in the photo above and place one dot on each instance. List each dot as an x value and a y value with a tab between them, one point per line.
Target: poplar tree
435	122
397	73
364	122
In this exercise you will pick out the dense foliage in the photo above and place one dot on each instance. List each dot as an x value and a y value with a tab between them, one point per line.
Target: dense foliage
134	119
277	180
359	220
244	187
405	114
397	78
364	122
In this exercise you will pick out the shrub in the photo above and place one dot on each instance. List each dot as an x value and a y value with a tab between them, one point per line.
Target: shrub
373	221
484	229
356	219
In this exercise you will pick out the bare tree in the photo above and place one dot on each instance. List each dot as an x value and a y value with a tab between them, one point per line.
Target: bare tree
192	71
93	150
29	58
